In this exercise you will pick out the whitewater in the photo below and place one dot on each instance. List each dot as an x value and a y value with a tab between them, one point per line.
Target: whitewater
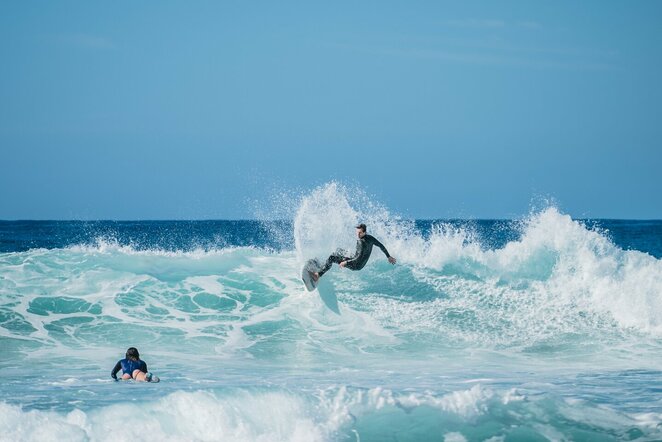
540	328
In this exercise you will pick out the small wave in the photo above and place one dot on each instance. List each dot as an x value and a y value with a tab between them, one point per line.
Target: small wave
331	414
111	246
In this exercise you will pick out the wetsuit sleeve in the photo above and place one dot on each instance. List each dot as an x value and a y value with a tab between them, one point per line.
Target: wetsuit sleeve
143	366
380	245
359	251
118	367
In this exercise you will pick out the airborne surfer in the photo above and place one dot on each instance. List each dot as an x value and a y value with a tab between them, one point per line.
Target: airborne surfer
364	246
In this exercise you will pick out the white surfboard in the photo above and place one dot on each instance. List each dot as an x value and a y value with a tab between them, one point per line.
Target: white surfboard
311	266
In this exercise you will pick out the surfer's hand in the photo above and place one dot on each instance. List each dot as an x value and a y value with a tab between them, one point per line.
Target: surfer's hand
343	264
392	260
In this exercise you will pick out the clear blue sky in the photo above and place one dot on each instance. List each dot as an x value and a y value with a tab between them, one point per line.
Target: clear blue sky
139	110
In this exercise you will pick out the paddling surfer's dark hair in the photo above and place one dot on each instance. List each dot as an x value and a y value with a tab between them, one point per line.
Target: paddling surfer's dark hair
132	353
362	227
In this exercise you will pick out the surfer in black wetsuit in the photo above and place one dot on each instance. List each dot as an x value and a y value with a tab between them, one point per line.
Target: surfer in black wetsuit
360	259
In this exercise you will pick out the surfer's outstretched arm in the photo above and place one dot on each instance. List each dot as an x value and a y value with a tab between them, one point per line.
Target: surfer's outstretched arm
376	242
381	246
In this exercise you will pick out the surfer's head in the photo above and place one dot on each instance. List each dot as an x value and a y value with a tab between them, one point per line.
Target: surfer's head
132	353
361	230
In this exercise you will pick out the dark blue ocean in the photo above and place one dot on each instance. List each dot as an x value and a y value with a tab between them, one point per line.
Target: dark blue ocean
540	328
186	236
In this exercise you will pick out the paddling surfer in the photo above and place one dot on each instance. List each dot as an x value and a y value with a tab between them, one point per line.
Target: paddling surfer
133	367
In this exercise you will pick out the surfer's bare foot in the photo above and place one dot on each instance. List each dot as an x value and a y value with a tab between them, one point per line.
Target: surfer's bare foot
316	276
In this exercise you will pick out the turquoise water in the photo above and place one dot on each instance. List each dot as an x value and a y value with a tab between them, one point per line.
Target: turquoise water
544	328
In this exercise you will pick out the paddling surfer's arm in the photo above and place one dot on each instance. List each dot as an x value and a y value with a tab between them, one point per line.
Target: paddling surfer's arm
118	367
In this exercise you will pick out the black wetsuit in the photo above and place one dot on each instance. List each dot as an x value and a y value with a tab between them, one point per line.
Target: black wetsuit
360	258
128	366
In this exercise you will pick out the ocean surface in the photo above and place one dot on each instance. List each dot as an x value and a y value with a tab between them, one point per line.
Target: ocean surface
539	328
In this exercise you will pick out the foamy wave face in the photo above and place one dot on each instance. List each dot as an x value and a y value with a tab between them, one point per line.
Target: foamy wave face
336	413
559	286
90	301
559	282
